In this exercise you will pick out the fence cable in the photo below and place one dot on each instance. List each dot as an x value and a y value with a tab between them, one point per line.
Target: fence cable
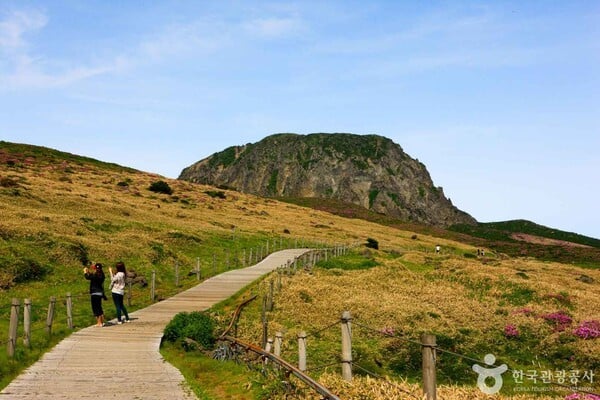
322	366
315	333
390	335
442	350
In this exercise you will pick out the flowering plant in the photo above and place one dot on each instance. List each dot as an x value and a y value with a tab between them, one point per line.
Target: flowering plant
588	330
524	310
388	331
578	396
560	319
511	331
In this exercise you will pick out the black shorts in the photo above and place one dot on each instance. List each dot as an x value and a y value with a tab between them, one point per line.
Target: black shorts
97	306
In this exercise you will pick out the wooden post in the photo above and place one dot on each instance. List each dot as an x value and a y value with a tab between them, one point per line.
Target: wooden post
270	300
153	287
278	342
302	351
50	317
279	279
264	322
27	323
129	284
429	379
250	257
69	311
346	346
244	259
269	345
198	275
12	329
268	348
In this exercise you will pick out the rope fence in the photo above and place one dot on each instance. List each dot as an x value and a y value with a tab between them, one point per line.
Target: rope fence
72	311
429	349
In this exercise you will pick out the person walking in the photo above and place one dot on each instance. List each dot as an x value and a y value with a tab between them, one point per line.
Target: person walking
95	275
117	286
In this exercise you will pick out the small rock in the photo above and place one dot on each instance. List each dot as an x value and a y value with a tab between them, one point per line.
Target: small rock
585	279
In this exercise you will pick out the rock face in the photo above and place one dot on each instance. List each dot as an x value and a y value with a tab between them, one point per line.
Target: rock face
368	170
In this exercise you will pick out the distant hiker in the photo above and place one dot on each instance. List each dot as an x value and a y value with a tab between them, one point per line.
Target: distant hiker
478	252
482	252
95	275
437	248
117	286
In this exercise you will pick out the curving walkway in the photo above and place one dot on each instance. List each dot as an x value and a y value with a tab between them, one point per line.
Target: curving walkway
123	361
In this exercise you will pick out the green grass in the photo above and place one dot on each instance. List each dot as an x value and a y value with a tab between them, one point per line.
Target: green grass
51	156
348	262
211	379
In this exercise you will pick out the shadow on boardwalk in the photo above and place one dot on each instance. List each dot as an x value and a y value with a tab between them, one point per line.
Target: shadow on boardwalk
123	361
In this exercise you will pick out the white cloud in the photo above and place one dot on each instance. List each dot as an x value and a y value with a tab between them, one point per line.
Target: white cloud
275	27
175	40
23	69
18	23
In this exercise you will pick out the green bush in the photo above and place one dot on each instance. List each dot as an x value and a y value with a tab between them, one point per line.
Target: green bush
196	325
216	194
372	244
20	270
160	187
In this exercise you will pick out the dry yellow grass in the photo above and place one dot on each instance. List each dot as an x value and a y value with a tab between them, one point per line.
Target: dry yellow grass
413	290
458	298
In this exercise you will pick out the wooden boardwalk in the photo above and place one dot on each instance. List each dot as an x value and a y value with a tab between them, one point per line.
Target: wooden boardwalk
123	361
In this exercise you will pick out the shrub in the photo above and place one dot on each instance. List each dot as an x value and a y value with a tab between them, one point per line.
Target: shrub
20	271
8	182
511	331
196	325
560	320
160	187
588	330
216	194
372	244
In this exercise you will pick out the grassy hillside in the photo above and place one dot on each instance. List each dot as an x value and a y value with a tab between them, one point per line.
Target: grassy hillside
61	211
518	238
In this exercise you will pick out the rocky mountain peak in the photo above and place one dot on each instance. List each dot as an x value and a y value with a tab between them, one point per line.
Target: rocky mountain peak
368	170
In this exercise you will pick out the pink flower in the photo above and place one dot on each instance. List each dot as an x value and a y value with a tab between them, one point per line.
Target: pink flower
588	330
560	319
388	331
511	331
579	396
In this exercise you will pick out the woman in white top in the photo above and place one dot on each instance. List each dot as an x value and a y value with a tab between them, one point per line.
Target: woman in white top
117	286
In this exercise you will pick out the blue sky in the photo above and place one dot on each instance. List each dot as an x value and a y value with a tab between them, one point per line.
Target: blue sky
500	100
